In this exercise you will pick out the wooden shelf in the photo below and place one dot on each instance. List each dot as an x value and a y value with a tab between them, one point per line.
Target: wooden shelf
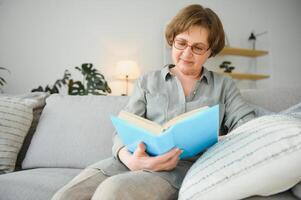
248	53
242	52
242	76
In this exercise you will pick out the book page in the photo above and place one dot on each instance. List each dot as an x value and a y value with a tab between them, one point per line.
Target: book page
181	117
148	125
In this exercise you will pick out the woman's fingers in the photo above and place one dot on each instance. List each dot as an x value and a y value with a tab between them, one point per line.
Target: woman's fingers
167	156
170	164
141	160
140	151
166	161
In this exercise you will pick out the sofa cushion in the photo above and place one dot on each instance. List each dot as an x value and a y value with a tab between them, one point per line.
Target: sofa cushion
261	157
273	99
15	120
297	190
35	184
294	110
73	131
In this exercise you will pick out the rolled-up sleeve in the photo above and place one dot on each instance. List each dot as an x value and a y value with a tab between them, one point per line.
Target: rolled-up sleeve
136	105
237	111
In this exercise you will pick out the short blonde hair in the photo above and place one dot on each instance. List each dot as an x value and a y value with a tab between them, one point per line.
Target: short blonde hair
197	15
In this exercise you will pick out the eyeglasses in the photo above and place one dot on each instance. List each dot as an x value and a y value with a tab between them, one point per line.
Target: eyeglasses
196	49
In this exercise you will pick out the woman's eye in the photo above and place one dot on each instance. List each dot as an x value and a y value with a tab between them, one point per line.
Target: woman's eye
199	48
182	43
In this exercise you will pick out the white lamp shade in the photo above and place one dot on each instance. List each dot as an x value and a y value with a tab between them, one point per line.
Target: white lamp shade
127	68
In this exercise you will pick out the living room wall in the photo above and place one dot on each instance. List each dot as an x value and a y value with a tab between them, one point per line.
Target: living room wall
40	39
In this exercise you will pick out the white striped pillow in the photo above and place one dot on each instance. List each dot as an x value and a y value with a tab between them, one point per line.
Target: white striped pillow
261	157
15	120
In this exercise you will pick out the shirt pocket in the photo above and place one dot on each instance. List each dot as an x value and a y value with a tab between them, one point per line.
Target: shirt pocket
156	107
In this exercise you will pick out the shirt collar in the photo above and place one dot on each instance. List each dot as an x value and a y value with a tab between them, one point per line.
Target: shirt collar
166	73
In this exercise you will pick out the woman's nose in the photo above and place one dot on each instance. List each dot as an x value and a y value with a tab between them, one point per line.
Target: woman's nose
187	52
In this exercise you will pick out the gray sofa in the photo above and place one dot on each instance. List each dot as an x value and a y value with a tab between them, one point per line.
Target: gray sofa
47	162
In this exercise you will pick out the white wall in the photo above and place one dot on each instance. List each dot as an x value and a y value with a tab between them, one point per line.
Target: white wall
39	39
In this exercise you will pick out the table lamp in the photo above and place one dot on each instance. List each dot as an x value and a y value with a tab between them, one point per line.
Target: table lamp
127	70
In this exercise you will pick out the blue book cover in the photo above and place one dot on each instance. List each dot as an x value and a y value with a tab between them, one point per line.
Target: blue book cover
193	134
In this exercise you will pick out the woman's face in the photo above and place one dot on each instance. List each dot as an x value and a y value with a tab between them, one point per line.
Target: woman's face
186	60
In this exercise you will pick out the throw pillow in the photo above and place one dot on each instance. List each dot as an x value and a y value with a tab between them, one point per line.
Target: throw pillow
15	120
73	131
37	100
261	157
294	110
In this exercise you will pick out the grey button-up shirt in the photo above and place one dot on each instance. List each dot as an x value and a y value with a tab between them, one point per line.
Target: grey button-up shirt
159	96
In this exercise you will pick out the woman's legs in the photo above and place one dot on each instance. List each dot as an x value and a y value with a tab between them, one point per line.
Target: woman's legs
135	185
81	187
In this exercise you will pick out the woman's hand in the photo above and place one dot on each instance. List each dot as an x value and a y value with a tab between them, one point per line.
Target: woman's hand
140	160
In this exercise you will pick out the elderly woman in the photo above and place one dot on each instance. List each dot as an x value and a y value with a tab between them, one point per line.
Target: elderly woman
194	34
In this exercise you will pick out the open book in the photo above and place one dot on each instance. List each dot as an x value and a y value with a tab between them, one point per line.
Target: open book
192	132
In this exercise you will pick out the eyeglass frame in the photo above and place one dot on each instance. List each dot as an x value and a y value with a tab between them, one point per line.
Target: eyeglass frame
191	47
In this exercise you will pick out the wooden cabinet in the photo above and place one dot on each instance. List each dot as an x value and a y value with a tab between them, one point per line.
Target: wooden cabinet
246	53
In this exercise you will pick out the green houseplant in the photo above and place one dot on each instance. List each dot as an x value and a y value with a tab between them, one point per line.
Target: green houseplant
93	82
2	80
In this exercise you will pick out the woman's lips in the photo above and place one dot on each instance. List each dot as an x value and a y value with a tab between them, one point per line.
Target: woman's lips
186	61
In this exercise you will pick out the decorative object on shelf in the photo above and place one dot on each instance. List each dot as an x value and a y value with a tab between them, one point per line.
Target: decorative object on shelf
252	38
93	83
127	70
226	66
